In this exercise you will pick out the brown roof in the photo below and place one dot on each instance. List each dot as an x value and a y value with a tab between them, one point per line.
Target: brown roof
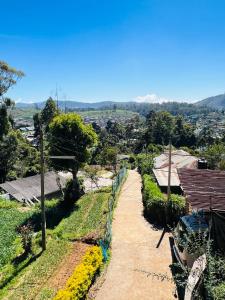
203	188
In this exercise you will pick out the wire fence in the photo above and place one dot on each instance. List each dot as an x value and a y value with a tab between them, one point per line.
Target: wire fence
116	186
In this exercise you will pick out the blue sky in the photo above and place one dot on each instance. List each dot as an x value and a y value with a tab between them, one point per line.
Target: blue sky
115	50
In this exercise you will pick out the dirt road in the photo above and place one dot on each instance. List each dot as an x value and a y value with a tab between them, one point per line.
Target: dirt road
134	252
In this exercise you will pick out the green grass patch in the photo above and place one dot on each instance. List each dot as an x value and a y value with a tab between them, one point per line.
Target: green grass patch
88	216
28	279
10	245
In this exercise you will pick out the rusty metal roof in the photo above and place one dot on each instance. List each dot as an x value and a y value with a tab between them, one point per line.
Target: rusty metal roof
30	187
203	188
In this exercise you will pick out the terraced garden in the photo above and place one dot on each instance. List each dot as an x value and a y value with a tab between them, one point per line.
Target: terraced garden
30	277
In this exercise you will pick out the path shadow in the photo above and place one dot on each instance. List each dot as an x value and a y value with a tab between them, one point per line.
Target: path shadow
54	215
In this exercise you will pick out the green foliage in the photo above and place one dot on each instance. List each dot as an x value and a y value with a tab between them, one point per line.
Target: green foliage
175	208
160	126
108	156
10	245
4	203
215	156
219	292
68	135
73	192
157	209
48	113
154	200
9	77
88	216
8	154
145	163
78	284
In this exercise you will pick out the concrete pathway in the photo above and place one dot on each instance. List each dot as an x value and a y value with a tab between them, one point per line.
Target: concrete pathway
134	252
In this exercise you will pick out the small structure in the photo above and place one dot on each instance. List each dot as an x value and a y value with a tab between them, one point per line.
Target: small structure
203	189
179	159
28	189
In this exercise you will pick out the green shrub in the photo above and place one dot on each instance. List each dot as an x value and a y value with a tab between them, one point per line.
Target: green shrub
175	208
144	163
79	283
154	200
73	192
156	205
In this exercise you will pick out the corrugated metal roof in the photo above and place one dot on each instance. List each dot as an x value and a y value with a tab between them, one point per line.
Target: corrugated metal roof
161	176
30	187
179	159
203	188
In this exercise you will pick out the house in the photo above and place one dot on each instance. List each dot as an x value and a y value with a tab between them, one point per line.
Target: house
179	159
28	190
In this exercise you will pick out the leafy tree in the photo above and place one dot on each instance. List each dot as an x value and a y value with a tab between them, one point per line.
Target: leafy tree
183	134
8	77
69	136
205	137
215	155
109	157
8	154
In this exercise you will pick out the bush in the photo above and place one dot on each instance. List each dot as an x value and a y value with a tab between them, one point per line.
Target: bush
154	200
79	283
144	163
175	208
156	205
73	193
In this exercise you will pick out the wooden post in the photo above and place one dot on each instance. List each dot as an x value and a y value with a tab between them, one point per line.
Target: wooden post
169	171
43	218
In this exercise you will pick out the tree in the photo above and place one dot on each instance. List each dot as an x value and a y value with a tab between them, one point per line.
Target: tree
215	155
109	156
48	113
8	77
183	134
8	154
69	136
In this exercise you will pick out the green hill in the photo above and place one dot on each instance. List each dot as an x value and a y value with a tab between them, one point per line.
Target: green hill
216	102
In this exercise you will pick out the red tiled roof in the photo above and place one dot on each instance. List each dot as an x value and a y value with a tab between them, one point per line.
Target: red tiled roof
203	188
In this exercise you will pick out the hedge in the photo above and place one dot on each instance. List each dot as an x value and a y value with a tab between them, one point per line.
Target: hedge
79	283
219	292
156	205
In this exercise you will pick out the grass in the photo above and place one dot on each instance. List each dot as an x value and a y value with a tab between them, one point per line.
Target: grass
88	216
10	244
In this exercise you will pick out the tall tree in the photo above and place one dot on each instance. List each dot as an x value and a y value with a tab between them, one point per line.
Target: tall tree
69	136
48	113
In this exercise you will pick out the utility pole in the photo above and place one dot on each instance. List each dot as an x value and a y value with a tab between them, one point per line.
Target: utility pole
169	171
43	217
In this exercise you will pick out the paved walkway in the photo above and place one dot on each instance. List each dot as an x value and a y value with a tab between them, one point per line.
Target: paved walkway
134	252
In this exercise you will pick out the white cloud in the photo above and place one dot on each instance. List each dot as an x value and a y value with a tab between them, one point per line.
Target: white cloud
151	98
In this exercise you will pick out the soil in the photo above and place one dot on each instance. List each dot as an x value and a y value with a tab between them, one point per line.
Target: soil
66	268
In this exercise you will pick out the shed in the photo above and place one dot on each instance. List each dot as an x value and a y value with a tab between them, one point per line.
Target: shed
29	188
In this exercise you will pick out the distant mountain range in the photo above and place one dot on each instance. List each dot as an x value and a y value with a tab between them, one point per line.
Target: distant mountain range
216	102
68	104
